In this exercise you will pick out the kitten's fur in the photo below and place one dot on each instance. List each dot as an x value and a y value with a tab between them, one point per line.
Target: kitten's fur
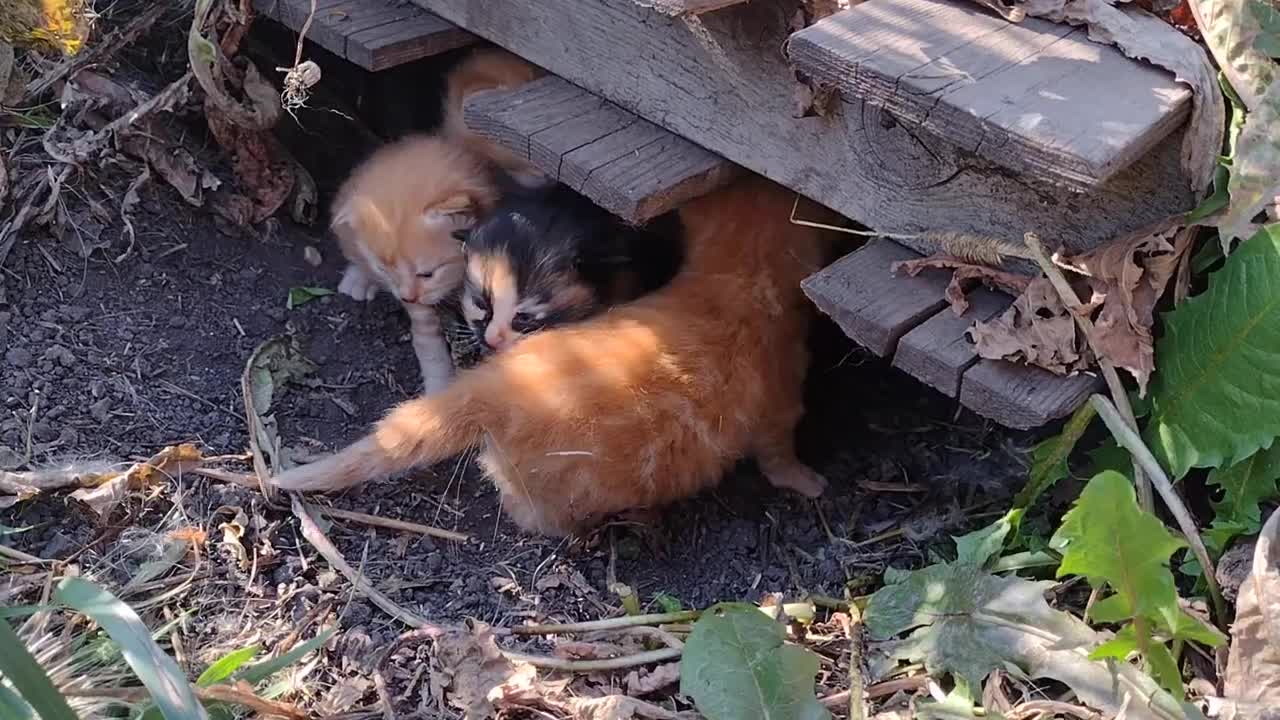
396	215
545	258
639	406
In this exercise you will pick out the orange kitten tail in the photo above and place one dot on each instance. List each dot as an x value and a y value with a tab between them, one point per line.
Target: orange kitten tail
416	432
485	69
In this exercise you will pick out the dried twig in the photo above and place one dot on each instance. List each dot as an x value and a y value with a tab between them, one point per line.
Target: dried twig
618	663
853	630
314	535
240	694
594	625
1069	299
19	556
1131	441
376	521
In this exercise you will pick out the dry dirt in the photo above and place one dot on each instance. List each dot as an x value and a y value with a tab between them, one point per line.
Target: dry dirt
107	360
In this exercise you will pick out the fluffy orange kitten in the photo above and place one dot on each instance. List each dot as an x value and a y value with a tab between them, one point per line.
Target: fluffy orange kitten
645	404
395	216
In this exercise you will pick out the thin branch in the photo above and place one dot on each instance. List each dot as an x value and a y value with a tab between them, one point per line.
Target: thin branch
1145	499
376	521
618	663
314	535
1131	441
609	624
853	630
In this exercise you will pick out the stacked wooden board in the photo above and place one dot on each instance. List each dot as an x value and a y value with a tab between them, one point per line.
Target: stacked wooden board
947	117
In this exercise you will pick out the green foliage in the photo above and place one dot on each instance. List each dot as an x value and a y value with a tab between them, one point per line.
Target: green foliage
35	691
1107	538
737	666
1049	458
1245	486
226	665
299	296
1216	399
258	672
169	688
966	621
668	603
1268	18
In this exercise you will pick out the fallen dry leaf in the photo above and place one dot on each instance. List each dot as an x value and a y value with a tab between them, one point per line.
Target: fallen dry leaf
1252	678
102	493
1130	274
259	162
233	533
643	681
1037	330
964	275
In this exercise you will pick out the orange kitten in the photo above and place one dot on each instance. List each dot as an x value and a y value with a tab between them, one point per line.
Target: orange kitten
396	215
646	404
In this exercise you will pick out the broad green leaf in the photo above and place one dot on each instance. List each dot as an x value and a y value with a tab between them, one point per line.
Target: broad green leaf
737	666
169	688
1165	668
1216	398
224	667
968	622
13	707
258	672
1049	458
299	296
1245	486
1121	647
1111	541
980	546
32	683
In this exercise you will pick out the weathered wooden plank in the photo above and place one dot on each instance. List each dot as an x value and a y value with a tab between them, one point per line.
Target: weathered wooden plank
870	304
938	352
628	166
374	34
1023	397
686	7
397	43
720	81
1036	97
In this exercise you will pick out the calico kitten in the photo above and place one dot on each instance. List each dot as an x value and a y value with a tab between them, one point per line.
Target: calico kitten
546	257
395	216
639	406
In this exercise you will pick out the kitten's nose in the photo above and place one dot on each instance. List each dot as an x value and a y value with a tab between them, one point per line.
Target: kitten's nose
497	337
409	297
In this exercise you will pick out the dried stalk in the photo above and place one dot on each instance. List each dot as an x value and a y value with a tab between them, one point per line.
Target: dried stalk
1131	441
1051	271
594	625
376	521
618	663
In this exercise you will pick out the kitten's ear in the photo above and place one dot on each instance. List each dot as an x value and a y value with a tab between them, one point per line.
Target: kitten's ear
459	209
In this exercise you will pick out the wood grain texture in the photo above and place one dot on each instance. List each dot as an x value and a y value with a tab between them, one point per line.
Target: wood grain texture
937	352
628	166
374	34
1035	97
1023	397
870	304
721	81
685	7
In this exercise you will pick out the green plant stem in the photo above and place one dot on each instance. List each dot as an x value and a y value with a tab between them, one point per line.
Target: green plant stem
1145	499
609	624
1131	441
1024	560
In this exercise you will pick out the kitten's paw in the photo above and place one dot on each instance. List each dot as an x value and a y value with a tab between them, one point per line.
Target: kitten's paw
800	478
357	284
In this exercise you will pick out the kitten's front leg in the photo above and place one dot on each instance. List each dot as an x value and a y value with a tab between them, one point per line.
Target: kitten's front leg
429	345
356	283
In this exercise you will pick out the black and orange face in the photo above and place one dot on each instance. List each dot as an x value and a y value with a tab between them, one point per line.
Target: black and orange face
530	265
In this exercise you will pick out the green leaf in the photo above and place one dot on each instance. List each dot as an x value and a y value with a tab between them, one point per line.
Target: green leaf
980	546
1110	540
13	707
20	668
1268	17
1165	669
228	664
1216	398
299	296
258	672
736	666
1049	458
1245	486
169	688
1121	647
668	603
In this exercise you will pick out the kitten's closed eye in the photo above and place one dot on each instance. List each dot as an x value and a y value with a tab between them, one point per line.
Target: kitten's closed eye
524	322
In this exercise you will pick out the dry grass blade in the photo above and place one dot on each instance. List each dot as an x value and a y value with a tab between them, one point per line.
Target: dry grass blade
376	521
241	695
609	624
314	535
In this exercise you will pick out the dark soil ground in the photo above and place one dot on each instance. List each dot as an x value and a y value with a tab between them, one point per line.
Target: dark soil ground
112	360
